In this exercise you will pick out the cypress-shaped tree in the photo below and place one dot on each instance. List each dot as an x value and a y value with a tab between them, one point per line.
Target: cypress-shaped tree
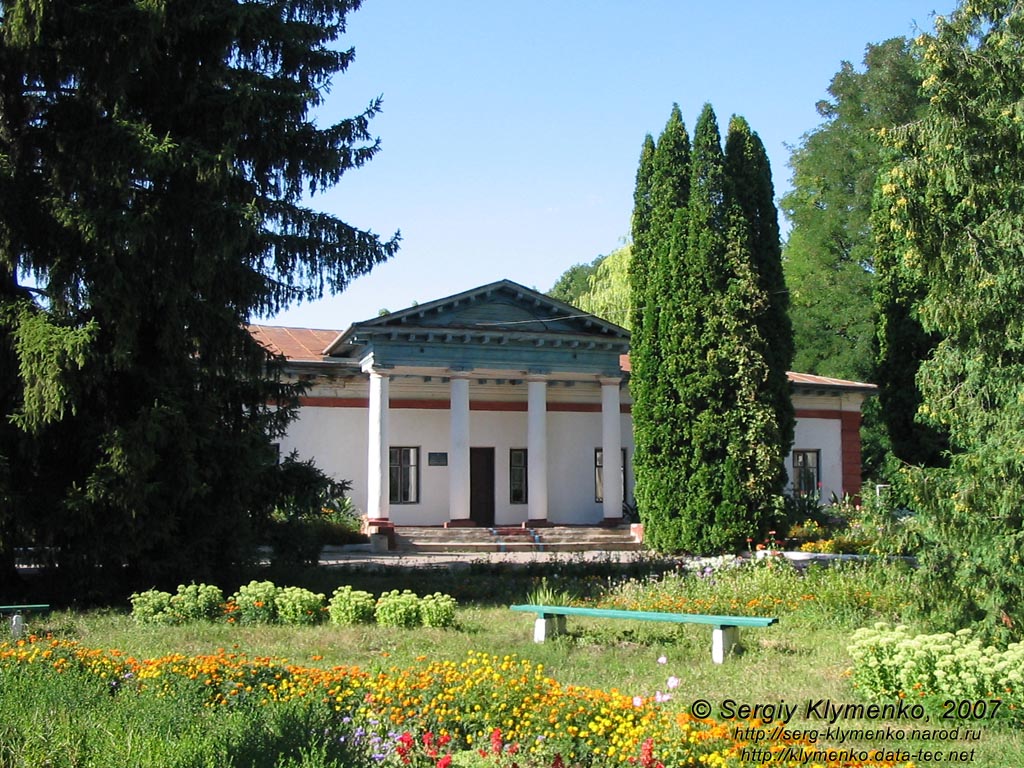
762	384
713	423
641	262
697	371
661	193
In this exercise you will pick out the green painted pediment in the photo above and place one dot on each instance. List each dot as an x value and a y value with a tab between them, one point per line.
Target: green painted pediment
503	308
497	306
500	325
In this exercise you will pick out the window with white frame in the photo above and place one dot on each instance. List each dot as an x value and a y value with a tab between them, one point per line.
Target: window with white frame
404	468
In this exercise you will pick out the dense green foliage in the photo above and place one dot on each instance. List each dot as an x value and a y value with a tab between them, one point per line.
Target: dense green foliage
712	416
985	683
654	402
607	294
153	164
901	345
829	253
954	204
574	282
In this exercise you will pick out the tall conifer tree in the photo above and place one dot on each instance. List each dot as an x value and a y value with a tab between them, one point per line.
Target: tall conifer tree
765	386
711	414
661	193
954	203
154	158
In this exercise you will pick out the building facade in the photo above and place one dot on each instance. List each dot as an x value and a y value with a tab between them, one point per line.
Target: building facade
500	406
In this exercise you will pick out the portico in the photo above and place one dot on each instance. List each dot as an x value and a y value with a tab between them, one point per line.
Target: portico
498	350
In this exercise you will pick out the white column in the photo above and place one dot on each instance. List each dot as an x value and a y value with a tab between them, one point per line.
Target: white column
458	451
378	485
537	449
611	449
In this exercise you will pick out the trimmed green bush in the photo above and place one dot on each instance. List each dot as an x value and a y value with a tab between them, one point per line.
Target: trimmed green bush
398	609
296	605
256	602
438	610
150	607
891	662
351	606
195	602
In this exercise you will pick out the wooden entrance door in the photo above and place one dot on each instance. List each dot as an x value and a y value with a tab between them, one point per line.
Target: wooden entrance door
481	486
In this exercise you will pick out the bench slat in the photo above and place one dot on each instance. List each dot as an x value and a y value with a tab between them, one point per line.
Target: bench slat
677	618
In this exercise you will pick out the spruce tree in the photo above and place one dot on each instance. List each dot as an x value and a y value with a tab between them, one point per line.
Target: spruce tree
154	164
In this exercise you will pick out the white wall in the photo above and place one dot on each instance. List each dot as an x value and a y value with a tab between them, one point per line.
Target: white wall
824	435
337	439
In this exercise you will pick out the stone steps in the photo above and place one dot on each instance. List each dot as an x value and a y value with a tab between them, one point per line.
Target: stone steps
515	539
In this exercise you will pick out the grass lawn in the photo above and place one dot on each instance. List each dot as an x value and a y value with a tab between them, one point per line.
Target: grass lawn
801	659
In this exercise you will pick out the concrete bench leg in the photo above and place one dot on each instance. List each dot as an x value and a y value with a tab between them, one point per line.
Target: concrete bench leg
723	640
545	627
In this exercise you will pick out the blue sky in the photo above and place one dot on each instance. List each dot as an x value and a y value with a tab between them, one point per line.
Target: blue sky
511	131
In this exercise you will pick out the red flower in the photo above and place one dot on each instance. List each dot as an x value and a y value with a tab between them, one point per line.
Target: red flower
647	754
496	741
444	762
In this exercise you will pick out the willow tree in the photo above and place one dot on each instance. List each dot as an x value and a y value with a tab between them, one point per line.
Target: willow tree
155	159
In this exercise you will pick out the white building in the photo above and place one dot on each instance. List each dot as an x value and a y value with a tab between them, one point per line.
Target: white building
498	406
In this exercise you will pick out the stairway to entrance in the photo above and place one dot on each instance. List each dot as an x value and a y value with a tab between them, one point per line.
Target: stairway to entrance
575	538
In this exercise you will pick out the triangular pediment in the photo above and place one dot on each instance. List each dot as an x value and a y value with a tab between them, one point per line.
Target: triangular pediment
504	307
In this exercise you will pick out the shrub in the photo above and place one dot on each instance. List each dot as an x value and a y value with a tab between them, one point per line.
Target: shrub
438	610
296	605
351	606
398	609
256	602
547	594
195	602
890	661
150	607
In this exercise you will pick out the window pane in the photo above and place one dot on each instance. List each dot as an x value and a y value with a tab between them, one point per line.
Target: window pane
517	482
404	475
395	483
806	476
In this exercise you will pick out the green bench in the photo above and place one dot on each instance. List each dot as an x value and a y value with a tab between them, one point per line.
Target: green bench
551	621
17	621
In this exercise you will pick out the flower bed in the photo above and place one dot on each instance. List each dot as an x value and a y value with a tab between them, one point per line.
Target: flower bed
486	710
